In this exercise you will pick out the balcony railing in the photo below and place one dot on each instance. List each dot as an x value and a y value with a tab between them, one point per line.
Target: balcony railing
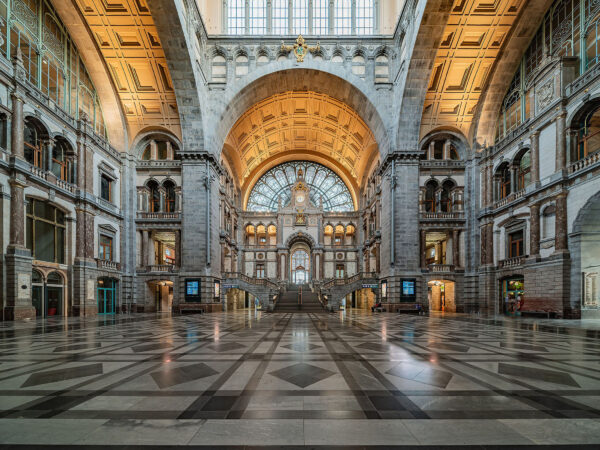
441	268
158	215
585	162
443	215
512	262
106	264
250	280
161	268
509	198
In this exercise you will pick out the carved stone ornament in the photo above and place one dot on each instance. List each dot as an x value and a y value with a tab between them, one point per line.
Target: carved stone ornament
545	94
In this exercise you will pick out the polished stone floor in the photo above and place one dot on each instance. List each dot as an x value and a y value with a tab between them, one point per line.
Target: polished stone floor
348	379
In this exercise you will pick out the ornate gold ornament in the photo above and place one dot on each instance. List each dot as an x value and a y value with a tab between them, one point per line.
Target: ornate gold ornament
300	48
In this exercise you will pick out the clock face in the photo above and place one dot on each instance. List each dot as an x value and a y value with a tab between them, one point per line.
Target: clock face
299	198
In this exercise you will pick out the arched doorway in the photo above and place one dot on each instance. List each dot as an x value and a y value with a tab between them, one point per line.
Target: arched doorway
54	305
107	295
300	264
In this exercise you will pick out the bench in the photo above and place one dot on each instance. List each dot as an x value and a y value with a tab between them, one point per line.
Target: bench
379	309
540	314
410	309
190	310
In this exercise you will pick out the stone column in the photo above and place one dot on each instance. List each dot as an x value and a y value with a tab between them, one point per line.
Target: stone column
17	127
561	144
483	242
144	258
535	156
178	250
48	147
490	184
423	249
431	150
438	253
455	252
450	249
534	235
561	237
153	150
446	149
484	186
150	252
513	179
489	244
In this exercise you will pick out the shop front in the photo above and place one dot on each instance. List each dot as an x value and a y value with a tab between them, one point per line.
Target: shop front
512	291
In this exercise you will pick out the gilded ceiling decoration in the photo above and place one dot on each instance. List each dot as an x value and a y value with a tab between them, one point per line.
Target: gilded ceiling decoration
127	38
471	42
301	123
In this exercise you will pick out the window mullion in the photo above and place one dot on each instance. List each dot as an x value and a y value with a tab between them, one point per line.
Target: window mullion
247	16
290	16
353	18
269	16
331	16
310	17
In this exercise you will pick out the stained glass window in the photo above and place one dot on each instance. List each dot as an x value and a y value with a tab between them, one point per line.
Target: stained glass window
322	182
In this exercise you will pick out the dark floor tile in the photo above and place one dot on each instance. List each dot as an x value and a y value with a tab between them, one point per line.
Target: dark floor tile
168	377
302	374
549	376
52	376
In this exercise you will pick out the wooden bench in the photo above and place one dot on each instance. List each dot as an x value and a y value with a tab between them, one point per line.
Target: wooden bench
410	309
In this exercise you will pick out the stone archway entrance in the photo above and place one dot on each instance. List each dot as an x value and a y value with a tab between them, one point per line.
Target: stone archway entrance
300	263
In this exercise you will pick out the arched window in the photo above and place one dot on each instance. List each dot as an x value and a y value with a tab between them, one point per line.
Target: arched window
430	191
524	170
250	234
324	185
454	153
338	238
504	180
33	146
154	199
328	231
338	59
241	66
446	196
261	235
262	60
60	166
358	65
219	69
382	69
589	134
45	229
548	222
170	196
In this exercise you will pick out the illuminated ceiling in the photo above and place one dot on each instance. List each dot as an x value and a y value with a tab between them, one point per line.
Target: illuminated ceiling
127	38
471	42
300	125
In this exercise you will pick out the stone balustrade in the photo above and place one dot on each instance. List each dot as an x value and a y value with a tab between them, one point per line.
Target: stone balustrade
509	198
160	268
443	215
106	264
158	215
585	162
512	262
441	268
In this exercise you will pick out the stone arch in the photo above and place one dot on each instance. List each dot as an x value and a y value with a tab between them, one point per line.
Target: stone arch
462	146
300	237
145	136
432	23
174	34
114	117
286	76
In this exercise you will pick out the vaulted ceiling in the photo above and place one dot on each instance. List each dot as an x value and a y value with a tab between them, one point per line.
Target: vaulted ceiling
300	124
471	42
127	38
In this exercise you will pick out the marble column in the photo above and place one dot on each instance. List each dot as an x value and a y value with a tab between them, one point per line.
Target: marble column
431	150
150	252
561	238
561	143
456	254
449	248
534	235
483	241
447	149
17	127
535	156
489	238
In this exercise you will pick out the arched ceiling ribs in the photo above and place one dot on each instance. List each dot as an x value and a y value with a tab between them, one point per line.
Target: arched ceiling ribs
473	39
485	120
125	33
301	122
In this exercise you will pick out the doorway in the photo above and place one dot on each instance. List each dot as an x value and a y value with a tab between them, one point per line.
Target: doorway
107	295
300	263
512	290
163	295
441	294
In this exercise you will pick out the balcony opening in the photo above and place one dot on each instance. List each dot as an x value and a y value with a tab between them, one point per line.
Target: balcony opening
441	295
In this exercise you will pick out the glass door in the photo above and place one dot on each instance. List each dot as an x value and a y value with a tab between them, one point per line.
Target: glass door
107	296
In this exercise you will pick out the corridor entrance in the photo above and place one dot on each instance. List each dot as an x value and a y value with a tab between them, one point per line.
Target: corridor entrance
441	295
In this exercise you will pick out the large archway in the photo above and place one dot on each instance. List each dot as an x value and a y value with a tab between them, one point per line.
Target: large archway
584	246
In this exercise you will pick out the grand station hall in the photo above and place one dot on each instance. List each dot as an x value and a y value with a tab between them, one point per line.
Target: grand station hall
284	224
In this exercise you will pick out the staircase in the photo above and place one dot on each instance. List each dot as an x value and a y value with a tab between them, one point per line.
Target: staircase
288	302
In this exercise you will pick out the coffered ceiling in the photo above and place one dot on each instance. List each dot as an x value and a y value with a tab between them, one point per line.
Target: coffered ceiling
300	124
127	38
471	42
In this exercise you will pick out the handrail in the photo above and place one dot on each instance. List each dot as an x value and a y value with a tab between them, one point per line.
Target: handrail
251	280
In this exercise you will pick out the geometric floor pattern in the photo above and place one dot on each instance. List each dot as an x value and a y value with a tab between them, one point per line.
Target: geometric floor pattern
350	380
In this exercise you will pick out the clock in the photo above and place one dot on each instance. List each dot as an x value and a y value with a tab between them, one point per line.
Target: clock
299	198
